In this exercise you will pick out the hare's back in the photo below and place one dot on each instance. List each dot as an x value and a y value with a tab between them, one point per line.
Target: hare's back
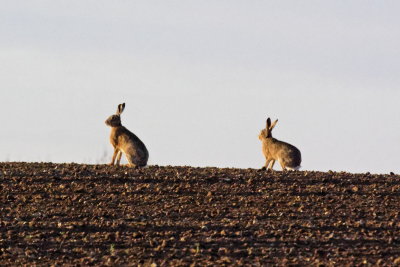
132	145
290	154
129	139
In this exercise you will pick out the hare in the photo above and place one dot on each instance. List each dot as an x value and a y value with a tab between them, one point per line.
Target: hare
289	156
125	141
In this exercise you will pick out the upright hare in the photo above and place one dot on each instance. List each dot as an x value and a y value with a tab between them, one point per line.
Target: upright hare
289	156
125	141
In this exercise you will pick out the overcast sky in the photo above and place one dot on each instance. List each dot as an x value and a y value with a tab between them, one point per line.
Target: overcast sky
199	79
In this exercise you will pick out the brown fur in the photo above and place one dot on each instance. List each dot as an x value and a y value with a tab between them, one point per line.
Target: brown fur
287	155
126	142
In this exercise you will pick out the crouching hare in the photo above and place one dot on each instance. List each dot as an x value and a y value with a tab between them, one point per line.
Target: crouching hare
289	156
126	142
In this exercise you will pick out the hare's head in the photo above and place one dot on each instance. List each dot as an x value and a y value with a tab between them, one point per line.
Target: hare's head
267	132
115	120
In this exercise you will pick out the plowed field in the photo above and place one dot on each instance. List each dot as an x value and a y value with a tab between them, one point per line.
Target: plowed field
54	214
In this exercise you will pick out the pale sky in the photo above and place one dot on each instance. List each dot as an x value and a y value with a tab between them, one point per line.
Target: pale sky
199	79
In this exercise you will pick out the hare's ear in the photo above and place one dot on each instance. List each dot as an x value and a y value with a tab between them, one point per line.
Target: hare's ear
273	125
121	108
268	123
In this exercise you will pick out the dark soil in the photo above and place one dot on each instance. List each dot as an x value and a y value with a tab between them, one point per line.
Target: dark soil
57	214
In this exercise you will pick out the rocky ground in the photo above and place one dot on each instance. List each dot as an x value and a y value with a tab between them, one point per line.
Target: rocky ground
57	214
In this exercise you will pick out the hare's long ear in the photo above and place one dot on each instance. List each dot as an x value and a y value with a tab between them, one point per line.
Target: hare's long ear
121	108
273	125
268	123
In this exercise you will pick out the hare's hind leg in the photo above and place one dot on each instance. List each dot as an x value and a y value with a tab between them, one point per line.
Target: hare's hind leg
132	165
282	165
130	161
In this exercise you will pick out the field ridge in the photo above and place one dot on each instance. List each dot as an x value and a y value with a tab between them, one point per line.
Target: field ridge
77	214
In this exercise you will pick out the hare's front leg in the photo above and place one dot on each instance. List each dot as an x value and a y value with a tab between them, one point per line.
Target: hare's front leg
119	157
271	165
114	156
265	167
